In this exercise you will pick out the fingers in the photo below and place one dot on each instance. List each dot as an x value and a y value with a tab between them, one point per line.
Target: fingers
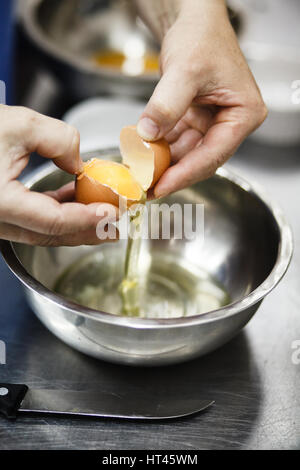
219	143
189	131
34	132
176	132
20	235
43	214
57	140
185	143
167	105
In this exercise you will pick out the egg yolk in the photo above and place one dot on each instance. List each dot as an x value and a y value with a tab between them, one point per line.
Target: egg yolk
149	63
115	176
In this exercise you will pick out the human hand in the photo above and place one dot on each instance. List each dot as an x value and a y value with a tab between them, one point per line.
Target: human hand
42	218
207	101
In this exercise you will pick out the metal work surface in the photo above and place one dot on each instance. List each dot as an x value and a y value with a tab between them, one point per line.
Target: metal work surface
252	379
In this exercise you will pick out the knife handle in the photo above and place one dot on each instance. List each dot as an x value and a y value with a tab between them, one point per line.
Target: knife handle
11	397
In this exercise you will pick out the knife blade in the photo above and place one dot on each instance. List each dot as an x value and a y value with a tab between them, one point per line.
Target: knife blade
95	403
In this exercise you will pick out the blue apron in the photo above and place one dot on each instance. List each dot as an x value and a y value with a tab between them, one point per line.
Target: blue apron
6	50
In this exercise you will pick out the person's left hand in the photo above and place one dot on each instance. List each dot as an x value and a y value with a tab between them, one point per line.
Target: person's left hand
51	218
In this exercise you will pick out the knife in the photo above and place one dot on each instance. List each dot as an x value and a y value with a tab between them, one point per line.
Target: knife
15	398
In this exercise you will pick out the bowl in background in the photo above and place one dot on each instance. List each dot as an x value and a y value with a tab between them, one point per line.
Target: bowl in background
100	119
277	72
69	34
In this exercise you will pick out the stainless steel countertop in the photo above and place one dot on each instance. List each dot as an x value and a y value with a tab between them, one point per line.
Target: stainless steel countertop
253	380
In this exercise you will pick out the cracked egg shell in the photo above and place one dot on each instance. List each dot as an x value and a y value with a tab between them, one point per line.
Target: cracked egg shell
147	161
106	181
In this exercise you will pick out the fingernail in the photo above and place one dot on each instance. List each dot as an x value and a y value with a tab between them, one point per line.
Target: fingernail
147	129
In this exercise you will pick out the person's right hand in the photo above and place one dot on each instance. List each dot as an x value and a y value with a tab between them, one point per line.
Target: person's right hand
207	101
42	218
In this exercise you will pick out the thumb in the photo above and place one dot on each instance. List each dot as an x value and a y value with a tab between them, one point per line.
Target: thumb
49	137
57	140
170	100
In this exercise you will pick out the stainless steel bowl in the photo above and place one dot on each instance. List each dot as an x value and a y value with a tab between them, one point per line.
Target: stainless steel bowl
247	249
66	34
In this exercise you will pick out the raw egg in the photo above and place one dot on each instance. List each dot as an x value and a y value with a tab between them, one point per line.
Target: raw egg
106	181
143	165
146	64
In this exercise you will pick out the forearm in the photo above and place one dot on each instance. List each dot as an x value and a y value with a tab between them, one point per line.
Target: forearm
160	15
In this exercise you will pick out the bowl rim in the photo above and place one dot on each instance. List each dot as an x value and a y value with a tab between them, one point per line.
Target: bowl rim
284	256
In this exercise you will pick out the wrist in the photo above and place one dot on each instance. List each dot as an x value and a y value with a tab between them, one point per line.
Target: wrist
159	15
204	9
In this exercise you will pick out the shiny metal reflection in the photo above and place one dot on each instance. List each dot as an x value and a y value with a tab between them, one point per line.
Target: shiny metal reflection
248	247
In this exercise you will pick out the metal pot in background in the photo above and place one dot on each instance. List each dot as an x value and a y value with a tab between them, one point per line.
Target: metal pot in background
67	34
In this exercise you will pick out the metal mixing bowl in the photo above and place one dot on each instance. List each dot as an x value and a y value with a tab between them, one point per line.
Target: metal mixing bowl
67	33
247	248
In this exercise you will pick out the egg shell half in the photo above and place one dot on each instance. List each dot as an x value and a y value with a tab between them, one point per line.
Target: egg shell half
147	161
